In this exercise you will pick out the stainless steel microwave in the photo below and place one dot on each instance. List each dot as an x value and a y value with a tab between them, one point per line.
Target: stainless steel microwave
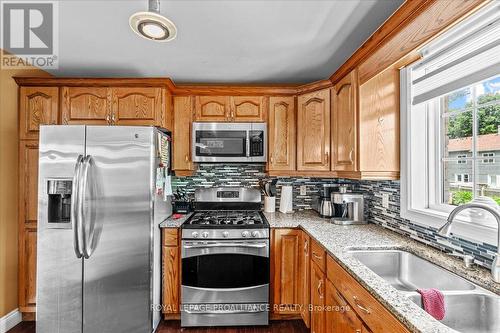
229	142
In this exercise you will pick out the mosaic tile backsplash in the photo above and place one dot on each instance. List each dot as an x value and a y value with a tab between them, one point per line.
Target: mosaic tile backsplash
213	175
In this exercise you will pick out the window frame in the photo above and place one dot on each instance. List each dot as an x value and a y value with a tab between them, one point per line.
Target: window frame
426	213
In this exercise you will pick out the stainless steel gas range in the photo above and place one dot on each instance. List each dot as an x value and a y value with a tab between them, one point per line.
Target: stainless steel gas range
225	260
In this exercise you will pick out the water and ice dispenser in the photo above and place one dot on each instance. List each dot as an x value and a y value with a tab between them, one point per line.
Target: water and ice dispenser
59	201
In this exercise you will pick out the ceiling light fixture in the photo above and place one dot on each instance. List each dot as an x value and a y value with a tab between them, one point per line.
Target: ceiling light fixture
152	25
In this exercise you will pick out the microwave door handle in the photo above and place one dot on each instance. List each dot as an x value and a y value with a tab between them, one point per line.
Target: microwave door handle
75	202
248	143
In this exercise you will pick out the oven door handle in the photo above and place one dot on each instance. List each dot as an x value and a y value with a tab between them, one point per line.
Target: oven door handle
211	245
223	312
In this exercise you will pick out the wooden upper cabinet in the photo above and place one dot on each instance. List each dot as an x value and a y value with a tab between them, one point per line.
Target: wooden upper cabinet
183	113
248	108
38	106
313	131
212	108
379	125
86	105
344	123
281	133
286	244
138	106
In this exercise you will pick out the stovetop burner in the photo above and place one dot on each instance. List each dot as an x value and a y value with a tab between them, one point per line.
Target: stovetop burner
230	219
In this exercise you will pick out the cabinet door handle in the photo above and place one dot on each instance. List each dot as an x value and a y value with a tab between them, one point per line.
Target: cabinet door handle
350	154
320	284
306	246
108	119
361	306
271	159
186	158
326	157
317	256
113	118
232	114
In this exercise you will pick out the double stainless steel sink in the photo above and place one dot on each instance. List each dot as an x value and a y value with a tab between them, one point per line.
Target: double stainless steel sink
469	308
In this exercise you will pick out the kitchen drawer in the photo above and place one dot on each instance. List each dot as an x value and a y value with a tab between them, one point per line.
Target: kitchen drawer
373	314
170	237
318	255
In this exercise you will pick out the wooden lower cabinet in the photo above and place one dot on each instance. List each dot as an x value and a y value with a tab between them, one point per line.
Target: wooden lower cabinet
374	316
285	257
28	216
171	272
27	269
317	299
305	277
340	318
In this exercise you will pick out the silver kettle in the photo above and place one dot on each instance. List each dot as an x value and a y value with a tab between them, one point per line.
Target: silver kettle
326	208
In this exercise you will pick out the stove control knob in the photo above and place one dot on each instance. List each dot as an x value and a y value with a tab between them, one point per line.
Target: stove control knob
204	234
225	234
245	234
195	234
255	234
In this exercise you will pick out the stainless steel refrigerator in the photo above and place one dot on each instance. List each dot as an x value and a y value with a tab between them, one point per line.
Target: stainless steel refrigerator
100	203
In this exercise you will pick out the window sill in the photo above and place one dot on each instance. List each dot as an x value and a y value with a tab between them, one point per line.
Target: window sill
466	230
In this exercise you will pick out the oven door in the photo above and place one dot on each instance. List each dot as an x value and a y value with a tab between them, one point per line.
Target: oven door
225	271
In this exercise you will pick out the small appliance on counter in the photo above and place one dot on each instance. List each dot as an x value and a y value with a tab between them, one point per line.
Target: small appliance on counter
349	208
182	204
323	202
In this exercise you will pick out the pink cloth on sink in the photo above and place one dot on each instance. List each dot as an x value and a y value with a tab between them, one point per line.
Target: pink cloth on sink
433	301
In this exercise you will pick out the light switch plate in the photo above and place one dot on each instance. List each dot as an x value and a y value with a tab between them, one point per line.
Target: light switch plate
385	200
303	190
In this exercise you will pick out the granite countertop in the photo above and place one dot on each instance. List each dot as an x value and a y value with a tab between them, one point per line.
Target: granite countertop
337	239
171	222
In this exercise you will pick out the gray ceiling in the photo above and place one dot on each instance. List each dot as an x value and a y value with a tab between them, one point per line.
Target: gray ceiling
246	41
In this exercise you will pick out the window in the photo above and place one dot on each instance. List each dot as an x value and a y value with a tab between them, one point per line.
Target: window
461	159
462	178
450	125
489	160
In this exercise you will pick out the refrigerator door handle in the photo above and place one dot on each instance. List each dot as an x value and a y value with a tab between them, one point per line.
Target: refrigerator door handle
86	240
75	202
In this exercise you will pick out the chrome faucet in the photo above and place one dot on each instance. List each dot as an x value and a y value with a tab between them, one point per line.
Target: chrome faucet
445	231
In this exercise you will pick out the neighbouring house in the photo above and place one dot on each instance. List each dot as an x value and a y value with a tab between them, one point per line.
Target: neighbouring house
458	172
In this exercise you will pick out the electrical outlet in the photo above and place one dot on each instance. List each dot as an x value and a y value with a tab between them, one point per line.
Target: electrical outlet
385	200
303	190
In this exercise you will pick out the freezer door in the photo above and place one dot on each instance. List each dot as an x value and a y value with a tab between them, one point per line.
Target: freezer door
118	177
59	261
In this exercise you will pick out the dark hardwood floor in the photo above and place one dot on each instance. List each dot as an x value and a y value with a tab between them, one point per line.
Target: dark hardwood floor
285	326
